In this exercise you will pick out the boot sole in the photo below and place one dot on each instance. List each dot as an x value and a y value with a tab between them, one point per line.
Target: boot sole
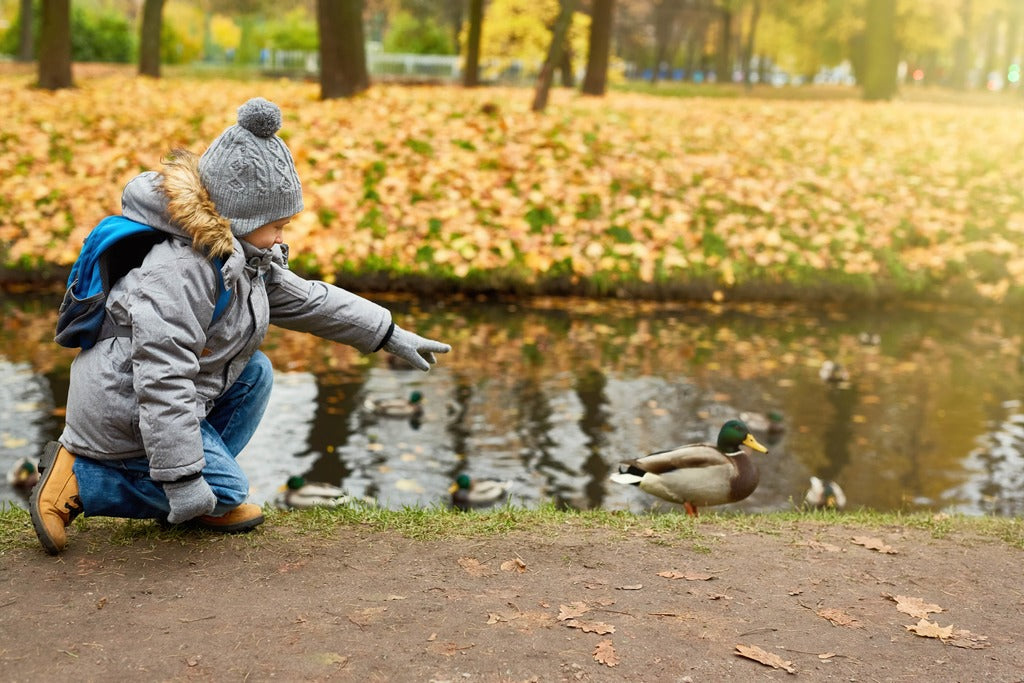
236	528
45	467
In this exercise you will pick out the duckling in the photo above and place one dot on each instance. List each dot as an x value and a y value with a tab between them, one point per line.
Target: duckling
471	493
825	495
298	493
698	474
833	373
396	407
23	475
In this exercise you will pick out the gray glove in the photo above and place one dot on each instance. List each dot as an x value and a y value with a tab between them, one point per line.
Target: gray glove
188	499
414	349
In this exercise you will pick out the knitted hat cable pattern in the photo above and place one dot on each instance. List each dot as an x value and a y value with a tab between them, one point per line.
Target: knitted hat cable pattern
249	171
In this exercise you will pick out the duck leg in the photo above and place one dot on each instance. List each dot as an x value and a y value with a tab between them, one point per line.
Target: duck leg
691	509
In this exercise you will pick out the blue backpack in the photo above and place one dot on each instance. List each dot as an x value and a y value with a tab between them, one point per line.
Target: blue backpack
111	249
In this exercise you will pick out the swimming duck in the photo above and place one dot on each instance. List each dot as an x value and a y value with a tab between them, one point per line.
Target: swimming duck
469	493
23	475
298	493
396	407
825	494
833	372
698	474
771	424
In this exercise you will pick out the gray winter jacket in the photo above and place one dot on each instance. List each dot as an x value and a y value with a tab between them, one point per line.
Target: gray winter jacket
147	394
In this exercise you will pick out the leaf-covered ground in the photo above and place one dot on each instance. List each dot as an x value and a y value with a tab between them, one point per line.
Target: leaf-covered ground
713	601
739	198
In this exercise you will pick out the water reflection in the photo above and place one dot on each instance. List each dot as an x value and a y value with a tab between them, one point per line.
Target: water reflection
552	394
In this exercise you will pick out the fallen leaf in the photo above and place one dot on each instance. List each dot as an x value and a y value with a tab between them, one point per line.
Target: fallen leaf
874	544
494	618
576	609
928	629
826	655
915	607
515	565
600	628
432	637
767	658
331	658
364	617
101	603
630	587
604	653
820	545
689	576
839	618
474	567
966	639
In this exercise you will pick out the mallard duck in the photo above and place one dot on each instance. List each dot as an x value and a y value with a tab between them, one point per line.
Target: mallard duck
825	494
396	407
298	493
23	475
771	424
471	493
698	474
832	372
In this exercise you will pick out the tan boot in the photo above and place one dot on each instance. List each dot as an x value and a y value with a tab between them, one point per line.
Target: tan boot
54	501
245	517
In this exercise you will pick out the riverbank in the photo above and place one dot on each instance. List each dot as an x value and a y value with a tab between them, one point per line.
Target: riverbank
630	195
516	595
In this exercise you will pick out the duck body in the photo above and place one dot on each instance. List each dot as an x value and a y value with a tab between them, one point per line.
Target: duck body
698	474
473	493
771	424
23	475
825	494
302	494
396	407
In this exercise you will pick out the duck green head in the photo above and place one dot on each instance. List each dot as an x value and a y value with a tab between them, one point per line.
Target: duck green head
27	469
463	481
734	434
415	397
295	483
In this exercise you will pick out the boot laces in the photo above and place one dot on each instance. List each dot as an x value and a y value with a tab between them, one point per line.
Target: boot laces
74	507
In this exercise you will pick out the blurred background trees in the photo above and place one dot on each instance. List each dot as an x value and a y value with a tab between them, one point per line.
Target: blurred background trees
878	45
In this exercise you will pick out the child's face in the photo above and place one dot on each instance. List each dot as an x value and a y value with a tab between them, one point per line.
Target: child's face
266	236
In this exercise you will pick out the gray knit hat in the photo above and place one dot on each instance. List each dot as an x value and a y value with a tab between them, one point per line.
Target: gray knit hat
249	171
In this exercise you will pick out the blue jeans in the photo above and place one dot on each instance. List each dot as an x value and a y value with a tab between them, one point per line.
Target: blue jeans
123	488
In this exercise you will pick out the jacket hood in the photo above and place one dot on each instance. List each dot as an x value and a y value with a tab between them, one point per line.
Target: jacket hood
176	202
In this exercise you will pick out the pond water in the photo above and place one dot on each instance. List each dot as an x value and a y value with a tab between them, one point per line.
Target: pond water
552	394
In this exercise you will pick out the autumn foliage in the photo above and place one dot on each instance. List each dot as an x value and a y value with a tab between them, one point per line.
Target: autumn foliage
738	198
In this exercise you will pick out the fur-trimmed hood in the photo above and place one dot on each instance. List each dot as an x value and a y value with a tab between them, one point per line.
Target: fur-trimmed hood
176	202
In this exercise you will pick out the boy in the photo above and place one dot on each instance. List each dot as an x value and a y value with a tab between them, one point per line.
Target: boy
160	407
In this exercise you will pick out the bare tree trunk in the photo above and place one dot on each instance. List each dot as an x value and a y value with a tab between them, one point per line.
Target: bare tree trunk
55	45
558	34
962	49
723	64
748	50
880	50
596	79
471	77
26	42
342	50
149	38
565	67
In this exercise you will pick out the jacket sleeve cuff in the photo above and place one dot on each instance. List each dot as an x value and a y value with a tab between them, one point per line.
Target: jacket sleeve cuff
387	337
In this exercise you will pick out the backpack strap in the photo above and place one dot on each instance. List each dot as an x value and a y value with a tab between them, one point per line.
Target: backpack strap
109	329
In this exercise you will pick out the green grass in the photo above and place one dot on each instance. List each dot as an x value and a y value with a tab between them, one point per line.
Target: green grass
439	523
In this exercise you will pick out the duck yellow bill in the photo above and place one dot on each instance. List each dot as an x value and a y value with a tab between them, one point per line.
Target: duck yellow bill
453	488
753	443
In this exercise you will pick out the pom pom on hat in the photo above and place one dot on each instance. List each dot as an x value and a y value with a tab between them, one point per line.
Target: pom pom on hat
260	117
249	172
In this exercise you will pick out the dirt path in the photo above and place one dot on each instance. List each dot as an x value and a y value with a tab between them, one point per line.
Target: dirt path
371	606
